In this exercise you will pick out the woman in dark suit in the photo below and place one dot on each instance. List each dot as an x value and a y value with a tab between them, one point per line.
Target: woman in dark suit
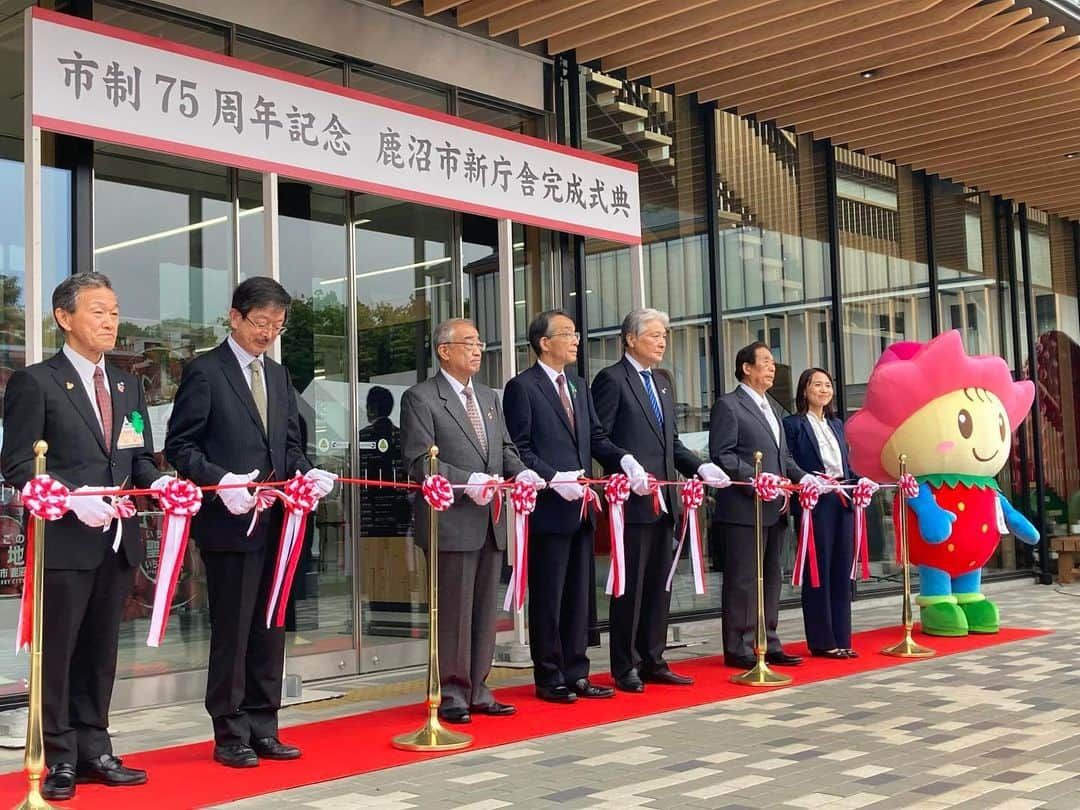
816	438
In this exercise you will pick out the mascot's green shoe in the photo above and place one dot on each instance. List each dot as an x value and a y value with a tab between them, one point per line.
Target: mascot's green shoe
981	613
943	619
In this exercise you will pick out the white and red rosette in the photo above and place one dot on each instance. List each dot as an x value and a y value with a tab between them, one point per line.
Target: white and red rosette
908	487
692	493
523	501
616	493
861	495
768	486
809	495
438	492
45	498
179	500
300	496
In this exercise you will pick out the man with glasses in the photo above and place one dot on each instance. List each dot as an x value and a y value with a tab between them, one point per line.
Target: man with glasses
636	404
234	421
552	420
462	417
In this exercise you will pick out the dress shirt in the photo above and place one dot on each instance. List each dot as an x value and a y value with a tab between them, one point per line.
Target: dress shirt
85	369
459	389
640	368
828	446
762	401
244	359
553	375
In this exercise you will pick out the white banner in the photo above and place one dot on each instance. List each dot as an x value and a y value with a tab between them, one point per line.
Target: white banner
109	84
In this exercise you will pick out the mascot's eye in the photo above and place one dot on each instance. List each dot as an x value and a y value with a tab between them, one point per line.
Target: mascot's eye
1002	428
963	421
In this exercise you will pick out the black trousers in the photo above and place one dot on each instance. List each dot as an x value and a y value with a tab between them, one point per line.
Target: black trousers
827	609
738	597
81	625
639	617
243	679
559	582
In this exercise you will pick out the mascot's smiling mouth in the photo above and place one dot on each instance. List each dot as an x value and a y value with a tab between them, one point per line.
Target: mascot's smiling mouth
980	458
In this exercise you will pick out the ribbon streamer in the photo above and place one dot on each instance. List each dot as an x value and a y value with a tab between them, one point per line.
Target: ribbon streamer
523	499
44	498
180	500
300	496
809	494
861	496
124	509
693	495
617	491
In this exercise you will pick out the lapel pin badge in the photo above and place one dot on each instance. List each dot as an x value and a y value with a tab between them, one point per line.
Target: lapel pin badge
663	390
120	387
69	385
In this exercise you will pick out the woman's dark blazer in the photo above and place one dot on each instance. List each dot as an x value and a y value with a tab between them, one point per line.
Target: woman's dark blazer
804	447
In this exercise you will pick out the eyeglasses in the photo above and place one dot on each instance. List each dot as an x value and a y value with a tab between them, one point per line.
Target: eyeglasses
272	328
472	344
571	335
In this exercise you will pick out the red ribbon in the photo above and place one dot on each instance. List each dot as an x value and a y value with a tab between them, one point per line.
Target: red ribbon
47	499
300	496
523	499
589	499
861	496
809	494
693	496
179	500
616	492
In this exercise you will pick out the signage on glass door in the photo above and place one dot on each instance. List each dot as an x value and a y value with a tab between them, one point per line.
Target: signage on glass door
106	83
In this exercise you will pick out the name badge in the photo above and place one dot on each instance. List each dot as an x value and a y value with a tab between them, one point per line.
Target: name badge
131	434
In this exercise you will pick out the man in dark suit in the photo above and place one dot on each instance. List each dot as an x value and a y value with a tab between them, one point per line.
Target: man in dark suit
93	415
553	422
236	411
462	417
636	405
742	422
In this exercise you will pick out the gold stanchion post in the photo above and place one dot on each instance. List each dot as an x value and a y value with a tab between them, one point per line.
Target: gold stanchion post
433	736
906	648
34	759
760	674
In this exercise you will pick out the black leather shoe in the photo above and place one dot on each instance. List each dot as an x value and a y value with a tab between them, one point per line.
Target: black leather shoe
584	689
455	714
59	782
849	653
782	659
630	682
837	653
273	748
743	662
666	676
109	770
555	694
236	755
495	709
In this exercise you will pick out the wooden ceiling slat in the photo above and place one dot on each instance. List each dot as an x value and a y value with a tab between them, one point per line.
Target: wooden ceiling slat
796	36
1038	46
915	48
672	33
633	26
476	11
1034	172
591	14
529	13
987	139
438	6
961	166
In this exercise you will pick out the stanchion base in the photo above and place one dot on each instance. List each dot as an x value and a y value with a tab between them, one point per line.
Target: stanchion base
33	801
909	649
761	675
432	737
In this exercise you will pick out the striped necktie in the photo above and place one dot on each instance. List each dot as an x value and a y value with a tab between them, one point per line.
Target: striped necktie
646	378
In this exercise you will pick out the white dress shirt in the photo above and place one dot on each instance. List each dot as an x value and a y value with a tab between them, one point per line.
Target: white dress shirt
828	446
245	359
553	375
85	369
770	415
459	389
640	368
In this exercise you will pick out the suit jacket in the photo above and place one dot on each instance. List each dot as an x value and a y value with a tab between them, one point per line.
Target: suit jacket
48	401
625	413
737	428
215	429
433	414
547	444
804	448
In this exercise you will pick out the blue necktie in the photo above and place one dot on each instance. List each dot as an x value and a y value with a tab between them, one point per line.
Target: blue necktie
646	377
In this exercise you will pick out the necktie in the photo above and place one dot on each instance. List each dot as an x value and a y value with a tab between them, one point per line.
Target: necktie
565	397
770	417
474	416
258	390
104	403
646	377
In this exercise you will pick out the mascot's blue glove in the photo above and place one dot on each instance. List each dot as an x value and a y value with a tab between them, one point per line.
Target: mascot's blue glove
1017	523
935	523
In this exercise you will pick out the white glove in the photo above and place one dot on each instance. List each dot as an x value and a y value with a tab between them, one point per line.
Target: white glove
810	478
478	488
531	477
239	501
639	478
566	485
161	481
92	510
324	481
713	475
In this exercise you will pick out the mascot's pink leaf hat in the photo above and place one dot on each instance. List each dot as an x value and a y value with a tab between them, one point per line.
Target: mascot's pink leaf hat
911	375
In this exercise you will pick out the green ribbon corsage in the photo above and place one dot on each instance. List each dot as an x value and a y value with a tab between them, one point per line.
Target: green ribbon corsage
136	421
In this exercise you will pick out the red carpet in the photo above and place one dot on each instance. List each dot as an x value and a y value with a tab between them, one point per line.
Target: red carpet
185	776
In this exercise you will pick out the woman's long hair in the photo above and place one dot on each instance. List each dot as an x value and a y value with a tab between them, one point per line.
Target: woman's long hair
801	405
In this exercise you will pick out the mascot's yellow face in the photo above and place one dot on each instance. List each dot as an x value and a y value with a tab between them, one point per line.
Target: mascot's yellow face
964	432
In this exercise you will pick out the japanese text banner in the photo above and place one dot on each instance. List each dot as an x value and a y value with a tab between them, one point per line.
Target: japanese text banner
105	83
